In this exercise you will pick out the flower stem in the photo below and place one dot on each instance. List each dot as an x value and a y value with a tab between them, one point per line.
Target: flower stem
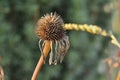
41	60
1	73
118	77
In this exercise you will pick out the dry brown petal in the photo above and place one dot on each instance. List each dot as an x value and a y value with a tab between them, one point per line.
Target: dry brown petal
118	54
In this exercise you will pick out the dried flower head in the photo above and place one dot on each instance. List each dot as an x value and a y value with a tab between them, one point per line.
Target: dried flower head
50	27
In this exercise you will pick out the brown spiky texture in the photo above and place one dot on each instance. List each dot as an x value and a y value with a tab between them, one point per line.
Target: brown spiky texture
50	27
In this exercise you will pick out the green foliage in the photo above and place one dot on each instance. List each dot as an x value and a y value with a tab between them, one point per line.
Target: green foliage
19	44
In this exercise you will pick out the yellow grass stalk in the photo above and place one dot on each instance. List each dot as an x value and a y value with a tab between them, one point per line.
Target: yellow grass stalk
93	29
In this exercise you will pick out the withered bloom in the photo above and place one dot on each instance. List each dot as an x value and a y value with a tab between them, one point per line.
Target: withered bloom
50	27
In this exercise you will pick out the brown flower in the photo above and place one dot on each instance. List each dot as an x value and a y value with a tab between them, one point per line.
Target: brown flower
50	27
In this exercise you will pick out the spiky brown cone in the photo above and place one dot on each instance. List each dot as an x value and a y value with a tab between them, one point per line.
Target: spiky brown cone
50	27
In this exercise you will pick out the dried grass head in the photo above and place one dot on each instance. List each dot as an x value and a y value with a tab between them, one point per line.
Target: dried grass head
50	27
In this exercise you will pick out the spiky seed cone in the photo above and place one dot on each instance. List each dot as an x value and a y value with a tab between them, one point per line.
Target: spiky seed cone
50	27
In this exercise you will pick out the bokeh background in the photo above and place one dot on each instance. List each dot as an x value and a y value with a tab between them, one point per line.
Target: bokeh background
19	50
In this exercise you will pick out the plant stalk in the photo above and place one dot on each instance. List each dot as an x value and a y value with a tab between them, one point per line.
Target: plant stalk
41	60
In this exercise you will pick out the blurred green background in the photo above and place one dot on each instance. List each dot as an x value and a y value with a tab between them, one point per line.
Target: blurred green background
19	50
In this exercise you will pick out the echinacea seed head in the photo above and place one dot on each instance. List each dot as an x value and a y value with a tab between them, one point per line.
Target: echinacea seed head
50	27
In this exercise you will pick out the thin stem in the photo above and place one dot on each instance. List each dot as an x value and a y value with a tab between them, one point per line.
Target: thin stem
93	29
41	60
118	76
1	73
